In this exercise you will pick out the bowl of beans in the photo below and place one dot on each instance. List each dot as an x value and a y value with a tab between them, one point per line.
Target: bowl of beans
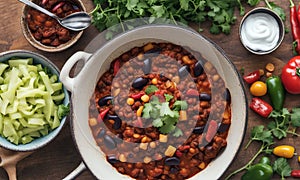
44	32
157	103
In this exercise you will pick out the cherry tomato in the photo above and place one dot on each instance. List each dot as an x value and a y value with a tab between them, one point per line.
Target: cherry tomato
258	88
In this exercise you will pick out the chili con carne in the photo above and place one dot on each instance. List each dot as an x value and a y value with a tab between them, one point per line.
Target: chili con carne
47	30
145	134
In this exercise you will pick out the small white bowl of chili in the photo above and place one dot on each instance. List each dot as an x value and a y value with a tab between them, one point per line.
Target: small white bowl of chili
261	31
44	32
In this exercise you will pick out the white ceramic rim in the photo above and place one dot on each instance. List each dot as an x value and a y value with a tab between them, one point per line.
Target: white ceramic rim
92	156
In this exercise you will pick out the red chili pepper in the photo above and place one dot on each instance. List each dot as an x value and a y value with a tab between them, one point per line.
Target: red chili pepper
295	26
261	107
137	96
212	130
102	115
290	75
252	77
192	92
295	173
116	66
59	5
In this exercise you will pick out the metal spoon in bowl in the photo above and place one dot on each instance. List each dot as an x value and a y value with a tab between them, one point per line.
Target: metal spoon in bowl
76	21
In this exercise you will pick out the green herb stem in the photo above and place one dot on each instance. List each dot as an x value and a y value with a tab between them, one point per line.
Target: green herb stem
246	166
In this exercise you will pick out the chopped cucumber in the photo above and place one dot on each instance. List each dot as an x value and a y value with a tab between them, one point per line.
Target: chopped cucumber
30	101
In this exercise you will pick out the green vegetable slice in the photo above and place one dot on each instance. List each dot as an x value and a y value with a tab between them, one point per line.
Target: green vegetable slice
30	101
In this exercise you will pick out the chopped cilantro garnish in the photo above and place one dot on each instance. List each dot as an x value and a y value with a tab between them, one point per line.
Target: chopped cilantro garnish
180	105
168	97
164	118
177	132
151	89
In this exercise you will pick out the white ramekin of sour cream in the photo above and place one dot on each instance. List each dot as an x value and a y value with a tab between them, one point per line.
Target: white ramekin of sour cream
261	31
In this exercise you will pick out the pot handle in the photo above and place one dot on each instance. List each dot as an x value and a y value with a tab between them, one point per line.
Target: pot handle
81	167
66	69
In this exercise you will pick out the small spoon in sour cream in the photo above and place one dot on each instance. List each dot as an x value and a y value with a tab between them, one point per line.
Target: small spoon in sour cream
77	21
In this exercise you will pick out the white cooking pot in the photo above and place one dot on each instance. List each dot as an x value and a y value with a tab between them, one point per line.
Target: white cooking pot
82	88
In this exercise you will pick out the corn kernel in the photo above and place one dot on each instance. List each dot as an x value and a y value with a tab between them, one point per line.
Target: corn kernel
136	136
147	159
144	146
140	56
168	84
154	81
182	116
170	151
130	101
202	165
216	77
208	66
145	139
145	98
122	158
163	138
187	60
139	111
93	121
148	47
153	145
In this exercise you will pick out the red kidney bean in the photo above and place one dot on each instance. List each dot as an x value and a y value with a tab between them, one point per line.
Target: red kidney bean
211	131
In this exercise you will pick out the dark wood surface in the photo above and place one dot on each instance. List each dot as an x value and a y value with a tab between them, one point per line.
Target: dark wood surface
60	157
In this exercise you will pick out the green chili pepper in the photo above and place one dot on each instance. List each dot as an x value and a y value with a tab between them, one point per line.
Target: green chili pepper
276	92
260	171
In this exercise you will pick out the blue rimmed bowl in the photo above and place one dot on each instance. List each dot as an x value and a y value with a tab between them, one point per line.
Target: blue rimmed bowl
43	140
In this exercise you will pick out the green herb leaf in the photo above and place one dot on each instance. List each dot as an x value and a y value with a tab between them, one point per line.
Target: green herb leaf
278	10
165	110
253	2
258	133
282	167
168	97
177	132
167	128
180	105
165	119
131	4
151	89
295	117
184	4
148	107
157	123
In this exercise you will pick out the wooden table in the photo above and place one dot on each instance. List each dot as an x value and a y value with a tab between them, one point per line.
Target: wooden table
60	157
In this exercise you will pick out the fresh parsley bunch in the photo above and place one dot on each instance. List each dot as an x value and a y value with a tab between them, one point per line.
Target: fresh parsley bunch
219	12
